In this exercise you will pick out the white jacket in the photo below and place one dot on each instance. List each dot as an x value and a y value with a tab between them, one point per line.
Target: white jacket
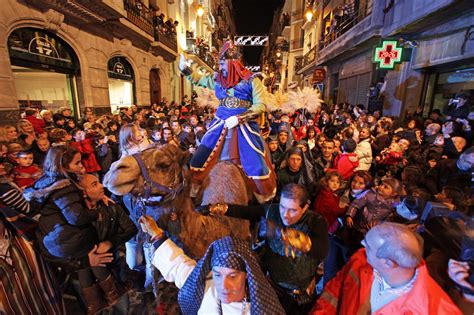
364	153
176	267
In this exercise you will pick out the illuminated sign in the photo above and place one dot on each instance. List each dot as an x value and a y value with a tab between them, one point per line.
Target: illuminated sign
253	68
251	40
388	54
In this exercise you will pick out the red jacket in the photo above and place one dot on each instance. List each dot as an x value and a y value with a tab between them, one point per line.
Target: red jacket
88	154
391	158
38	124
327	205
345	164
26	176
349	293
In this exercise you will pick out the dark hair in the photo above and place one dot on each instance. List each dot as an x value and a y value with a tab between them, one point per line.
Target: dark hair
294	150
57	117
368	179
349	145
111	123
330	174
74	131
455	194
296	192
58	159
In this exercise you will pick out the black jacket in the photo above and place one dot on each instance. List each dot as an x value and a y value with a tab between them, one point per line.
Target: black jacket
65	226
115	225
291	273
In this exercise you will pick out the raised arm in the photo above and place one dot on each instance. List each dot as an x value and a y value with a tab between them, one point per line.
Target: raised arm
206	81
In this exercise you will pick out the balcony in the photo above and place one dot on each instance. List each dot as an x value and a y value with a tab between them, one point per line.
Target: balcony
201	55
346	23
298	63
357	32
296	43
297	15
140	15
169	39
308	58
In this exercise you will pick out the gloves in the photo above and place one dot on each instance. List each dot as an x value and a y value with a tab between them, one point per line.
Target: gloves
231	122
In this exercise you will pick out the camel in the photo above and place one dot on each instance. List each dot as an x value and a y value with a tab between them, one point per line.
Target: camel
166	192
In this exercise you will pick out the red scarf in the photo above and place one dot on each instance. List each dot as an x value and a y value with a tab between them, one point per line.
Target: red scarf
236	72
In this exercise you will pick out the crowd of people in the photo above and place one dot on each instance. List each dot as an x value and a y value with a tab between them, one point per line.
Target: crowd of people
342	175
351	212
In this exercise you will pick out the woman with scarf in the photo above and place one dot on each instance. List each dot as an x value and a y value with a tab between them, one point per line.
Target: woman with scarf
234	133
237	285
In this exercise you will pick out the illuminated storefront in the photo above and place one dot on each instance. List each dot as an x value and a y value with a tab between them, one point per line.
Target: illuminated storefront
44	68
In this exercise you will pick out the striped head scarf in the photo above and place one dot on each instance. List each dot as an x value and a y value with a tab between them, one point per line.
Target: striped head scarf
236	254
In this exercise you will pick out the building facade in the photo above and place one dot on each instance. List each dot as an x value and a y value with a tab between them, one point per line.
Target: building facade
340	41
102	54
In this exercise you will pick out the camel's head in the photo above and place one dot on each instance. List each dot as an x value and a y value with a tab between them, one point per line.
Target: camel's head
164	166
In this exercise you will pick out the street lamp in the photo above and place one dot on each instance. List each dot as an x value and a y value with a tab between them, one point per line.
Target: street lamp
200	10
278	54
308	14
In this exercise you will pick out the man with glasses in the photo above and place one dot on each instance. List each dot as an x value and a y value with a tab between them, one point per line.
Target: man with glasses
388	276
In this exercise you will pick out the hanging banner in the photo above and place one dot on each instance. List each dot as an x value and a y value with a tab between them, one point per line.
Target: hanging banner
253	68
249	40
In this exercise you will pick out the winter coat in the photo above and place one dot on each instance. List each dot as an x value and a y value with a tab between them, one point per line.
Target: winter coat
65	225
345	164
445	173
390	158
105	157
115	226
364	153
327	205
89	160
26	176
349	293
298	272
38	123
370	207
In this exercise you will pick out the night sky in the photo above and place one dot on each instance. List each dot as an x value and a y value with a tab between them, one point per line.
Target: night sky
254	17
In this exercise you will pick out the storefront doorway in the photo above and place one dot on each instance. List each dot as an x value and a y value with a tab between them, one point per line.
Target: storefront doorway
121	83
45	69
440	87
155	86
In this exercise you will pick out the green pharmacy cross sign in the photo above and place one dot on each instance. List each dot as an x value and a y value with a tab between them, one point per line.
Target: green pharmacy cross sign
388	54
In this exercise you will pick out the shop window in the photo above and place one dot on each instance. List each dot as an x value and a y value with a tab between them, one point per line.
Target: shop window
121	83
44	70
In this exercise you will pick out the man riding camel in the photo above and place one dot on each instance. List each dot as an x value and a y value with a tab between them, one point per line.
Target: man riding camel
234	133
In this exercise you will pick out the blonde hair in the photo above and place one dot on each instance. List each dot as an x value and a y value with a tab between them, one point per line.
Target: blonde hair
127	137
4	132
398	147
22	123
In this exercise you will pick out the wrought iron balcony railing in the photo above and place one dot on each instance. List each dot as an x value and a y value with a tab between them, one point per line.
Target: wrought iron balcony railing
201	52
168	38
346	23
140	15
309	57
